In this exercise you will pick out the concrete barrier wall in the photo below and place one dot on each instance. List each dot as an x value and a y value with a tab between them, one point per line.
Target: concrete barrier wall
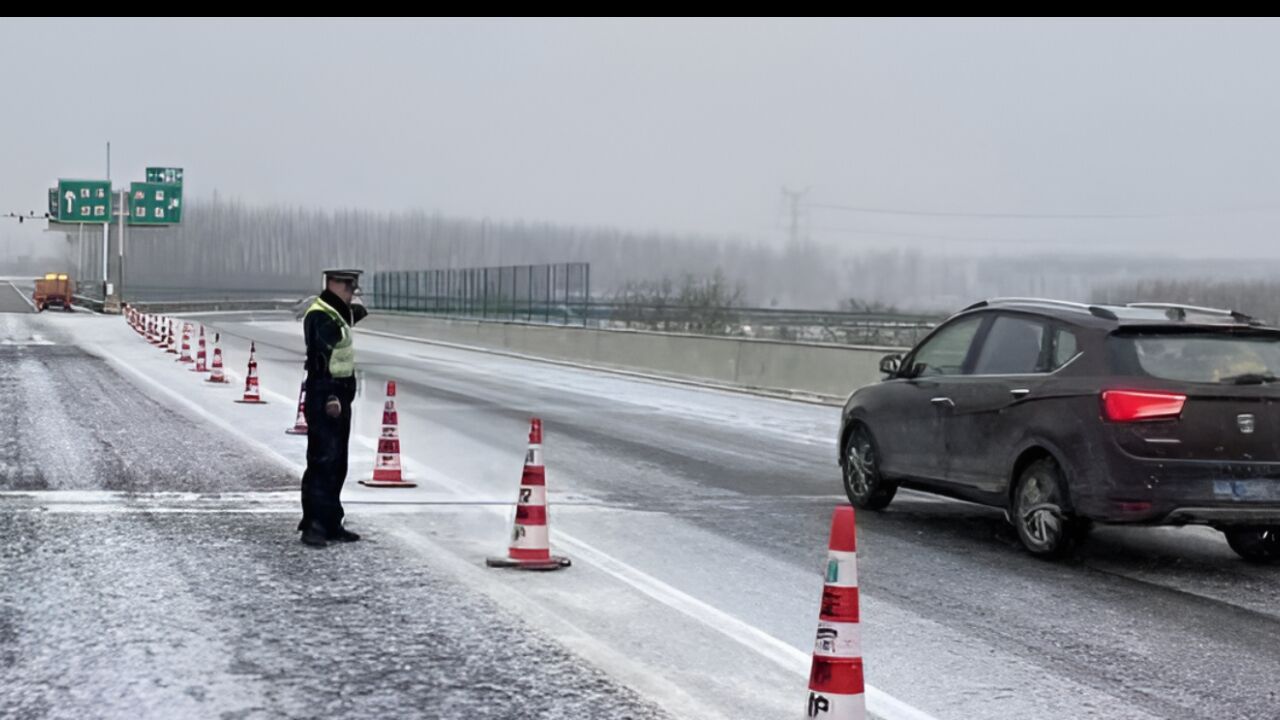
832	371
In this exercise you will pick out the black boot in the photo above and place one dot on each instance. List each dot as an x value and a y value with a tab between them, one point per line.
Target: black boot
343	535
315	536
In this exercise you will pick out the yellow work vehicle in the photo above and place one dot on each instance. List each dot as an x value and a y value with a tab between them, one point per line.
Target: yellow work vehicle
54	289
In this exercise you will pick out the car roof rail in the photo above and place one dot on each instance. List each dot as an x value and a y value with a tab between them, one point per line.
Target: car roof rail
1095	310
1178	311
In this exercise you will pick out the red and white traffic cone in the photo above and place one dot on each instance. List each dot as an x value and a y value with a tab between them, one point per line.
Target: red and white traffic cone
185	357
530	547
300	422
201	356
386	465
836	688
251	394
215	373
172	340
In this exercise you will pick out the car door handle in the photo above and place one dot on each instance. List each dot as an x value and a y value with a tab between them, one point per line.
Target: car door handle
1019	393
943	402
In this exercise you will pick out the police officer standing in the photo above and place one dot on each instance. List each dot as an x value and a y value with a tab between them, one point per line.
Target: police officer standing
331	388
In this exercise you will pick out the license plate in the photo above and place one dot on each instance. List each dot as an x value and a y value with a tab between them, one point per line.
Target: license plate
1252	490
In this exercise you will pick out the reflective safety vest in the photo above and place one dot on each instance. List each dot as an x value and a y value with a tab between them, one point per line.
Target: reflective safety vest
342	361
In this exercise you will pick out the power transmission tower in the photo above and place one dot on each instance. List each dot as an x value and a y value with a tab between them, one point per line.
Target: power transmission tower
794	197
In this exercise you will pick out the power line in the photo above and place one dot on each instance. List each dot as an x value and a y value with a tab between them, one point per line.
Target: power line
949	238
31	215
1040	216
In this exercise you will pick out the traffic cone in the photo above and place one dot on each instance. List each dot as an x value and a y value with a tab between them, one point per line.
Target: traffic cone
251	395
386	465
215	373
530	547
185	357
201	356
300	423
836	687
172	346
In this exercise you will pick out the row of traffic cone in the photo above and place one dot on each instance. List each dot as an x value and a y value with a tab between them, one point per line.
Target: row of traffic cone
162	332
836	683
530	538
529	547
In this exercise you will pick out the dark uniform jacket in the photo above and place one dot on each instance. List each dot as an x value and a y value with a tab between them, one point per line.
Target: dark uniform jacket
322	333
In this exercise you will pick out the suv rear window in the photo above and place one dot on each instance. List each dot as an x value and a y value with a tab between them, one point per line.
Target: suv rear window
1065	347
1203	357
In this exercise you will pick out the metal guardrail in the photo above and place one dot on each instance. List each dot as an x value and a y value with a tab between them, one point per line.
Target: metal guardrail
785	324
85	301
136	294
181	299
551	294
199	306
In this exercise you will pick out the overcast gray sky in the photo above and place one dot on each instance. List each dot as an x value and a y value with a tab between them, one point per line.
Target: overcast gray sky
679	125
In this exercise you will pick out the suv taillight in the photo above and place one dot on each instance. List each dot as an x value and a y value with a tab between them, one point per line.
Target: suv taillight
1135	405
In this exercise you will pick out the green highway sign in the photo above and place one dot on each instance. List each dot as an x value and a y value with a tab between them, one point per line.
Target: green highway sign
153	203
84	201
172	176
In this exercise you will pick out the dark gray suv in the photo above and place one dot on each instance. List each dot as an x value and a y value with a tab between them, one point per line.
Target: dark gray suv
1065	414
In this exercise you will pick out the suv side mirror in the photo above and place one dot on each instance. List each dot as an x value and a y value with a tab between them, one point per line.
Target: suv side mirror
890	364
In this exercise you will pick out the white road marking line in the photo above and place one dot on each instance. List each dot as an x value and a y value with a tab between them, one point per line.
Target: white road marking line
23	295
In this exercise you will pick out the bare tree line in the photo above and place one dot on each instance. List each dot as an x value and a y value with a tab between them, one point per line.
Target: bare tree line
229	244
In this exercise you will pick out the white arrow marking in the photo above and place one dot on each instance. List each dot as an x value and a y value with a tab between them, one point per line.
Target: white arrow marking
71	197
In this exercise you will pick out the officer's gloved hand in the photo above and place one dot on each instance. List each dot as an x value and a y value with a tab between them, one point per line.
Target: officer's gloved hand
333	408
358	309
